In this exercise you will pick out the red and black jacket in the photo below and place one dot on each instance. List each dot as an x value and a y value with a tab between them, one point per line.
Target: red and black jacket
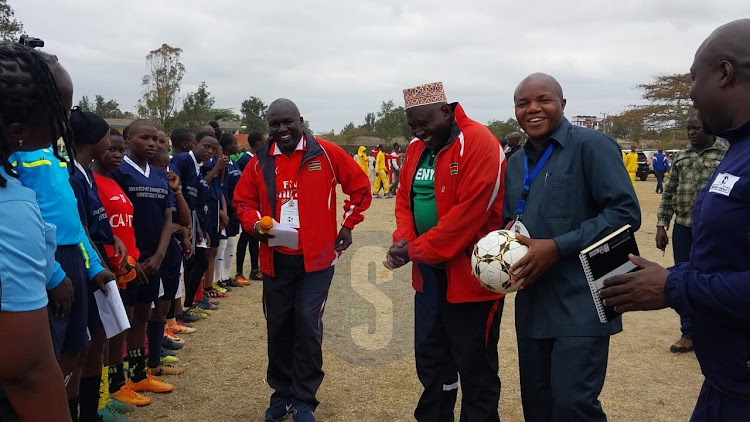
324	165
469	188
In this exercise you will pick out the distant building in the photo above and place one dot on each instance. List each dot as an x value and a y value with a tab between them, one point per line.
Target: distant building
590	122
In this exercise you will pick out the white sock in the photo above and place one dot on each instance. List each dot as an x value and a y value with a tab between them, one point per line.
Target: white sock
228	257
219	264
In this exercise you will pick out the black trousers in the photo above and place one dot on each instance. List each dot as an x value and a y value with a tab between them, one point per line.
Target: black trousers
659	181
194	270
452	341
715	406
561	378
293	302
245	242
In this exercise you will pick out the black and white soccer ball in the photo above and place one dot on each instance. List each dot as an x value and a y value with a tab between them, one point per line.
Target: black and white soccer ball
492	258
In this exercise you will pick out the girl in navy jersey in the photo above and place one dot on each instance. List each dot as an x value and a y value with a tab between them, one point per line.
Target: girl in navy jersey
148	190
187	166
172	264
92	141
227	244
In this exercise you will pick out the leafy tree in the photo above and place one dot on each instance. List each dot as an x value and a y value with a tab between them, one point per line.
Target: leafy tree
253	112
161	85
197	108
85	104
627	125
108	109
224	114
502	129
369	124
669	98
391	122
10	27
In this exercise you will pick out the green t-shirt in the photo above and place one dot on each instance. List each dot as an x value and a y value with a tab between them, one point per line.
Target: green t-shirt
423	188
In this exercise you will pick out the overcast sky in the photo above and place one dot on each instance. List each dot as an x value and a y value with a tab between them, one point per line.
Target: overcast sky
339	59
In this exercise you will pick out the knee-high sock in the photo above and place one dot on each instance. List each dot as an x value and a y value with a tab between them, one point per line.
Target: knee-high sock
155	335
219	262
89	397
228	256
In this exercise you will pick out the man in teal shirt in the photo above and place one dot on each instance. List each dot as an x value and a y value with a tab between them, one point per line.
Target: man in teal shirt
580	194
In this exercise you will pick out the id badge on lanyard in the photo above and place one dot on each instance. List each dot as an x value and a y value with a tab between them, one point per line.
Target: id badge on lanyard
290	214
517	225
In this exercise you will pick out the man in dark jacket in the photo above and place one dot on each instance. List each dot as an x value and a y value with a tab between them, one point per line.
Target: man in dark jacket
713	288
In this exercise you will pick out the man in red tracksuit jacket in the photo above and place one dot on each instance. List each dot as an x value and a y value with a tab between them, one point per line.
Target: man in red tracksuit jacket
450	196
293	178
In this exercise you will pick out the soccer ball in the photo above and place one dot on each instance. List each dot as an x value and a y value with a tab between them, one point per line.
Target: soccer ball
492	258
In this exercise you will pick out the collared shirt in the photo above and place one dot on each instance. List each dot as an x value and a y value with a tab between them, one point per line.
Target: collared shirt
93	216
46	175
148	191
286	183
688	175
580	195
27	249
300	146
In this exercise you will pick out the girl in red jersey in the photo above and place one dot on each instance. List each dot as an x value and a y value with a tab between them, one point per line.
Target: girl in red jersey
119	209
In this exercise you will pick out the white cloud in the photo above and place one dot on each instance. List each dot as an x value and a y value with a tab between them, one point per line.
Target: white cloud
340	59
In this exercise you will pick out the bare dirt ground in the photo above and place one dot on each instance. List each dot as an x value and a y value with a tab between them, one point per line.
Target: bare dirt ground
368	343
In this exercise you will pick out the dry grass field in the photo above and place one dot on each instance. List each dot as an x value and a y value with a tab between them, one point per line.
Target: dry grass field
368	356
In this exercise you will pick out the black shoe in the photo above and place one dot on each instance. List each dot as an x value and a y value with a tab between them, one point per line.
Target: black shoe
186	319
256	275
167	352
167	343
233	283
223	284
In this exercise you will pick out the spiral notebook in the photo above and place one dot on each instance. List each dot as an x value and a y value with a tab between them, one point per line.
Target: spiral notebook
607	258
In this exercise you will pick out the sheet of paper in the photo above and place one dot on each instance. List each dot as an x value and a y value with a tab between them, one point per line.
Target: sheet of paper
111	310
285	236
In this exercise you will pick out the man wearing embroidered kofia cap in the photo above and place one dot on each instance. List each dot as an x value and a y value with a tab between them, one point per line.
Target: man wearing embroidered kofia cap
450	196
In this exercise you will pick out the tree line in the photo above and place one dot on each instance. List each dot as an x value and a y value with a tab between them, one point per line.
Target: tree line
663	116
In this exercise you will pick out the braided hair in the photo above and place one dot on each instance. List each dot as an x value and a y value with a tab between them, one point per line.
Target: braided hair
5	155
28	85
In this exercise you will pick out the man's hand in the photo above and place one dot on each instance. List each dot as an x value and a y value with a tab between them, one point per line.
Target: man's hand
543	253
102	279
140	274
662	239
344	240
397	255
61	297
174	181
262	237
638	291
151	264
121	251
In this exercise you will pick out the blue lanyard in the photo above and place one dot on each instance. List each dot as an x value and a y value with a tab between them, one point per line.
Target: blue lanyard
528	178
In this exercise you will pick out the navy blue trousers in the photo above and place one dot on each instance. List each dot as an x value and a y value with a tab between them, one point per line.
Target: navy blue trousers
682	242
293	302
452	340
715	406
561	378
